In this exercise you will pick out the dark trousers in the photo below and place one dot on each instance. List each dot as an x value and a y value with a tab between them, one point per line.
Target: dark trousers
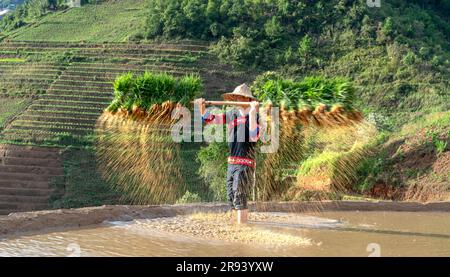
239	184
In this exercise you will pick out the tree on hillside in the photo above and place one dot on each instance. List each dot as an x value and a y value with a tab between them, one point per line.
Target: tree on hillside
273	28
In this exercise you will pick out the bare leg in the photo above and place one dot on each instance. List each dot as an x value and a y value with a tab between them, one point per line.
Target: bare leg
242	216
233	217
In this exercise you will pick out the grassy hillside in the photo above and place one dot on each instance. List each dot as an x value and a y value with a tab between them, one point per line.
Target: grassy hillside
115	21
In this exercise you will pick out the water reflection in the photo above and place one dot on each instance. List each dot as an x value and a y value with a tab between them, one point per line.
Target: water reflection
332	234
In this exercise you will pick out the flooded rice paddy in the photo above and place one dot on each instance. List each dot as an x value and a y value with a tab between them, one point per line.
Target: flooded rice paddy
267	234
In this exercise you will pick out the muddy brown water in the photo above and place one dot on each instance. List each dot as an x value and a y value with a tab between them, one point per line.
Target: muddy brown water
325	234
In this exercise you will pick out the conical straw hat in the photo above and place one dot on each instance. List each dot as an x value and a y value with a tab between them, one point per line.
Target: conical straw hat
242	90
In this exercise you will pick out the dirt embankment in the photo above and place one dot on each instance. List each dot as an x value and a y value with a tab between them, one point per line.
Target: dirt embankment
414	169
74	218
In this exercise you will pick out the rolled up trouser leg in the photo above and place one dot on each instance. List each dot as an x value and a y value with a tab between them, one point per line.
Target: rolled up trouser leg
242	182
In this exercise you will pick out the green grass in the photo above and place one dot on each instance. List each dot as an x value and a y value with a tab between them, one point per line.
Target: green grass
438	122
190	166
84	187
12	60
10	107
111	21
27	79
385	86
320	162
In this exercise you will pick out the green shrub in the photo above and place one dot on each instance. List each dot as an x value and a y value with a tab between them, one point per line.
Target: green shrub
440	145
368	172
213	169
388	27
410	58
343	169
136	37
189	197
436	61
28	11
238	50
305	47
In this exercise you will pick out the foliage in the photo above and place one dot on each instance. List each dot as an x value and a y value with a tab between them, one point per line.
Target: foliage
189	197
338	160
396	56
277	29
213	169
239	50
29	10
439	144
410	58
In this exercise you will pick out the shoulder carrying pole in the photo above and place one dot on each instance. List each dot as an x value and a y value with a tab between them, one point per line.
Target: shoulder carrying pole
226	103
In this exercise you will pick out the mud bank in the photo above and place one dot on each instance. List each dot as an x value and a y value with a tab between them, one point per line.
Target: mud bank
73	218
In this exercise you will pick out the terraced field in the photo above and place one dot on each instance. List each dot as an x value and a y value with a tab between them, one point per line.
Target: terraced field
26	177
71	95
10	107
26	79
66	87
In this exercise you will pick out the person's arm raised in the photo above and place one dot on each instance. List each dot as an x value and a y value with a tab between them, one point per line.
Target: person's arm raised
200	103
207	117
253	124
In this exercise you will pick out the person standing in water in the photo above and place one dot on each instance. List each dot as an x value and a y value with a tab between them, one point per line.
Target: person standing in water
243	134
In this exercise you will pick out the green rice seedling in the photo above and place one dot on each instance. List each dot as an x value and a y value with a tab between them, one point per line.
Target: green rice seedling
123	85
153	93
138	122
313	100
154	88
188	88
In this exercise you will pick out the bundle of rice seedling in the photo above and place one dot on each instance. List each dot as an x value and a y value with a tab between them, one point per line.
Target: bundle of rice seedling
139	159
135	150
312	101
152	97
